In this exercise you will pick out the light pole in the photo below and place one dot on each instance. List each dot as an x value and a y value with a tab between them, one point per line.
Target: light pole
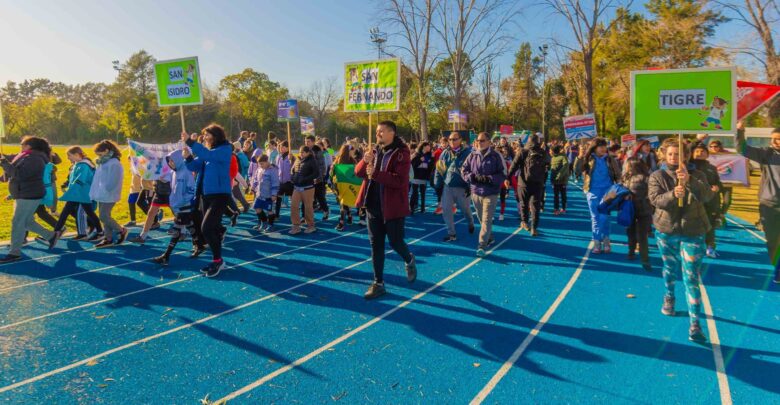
378	38
543	49
115	64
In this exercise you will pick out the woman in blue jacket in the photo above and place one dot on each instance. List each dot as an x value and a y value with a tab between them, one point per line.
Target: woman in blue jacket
213	164
77	194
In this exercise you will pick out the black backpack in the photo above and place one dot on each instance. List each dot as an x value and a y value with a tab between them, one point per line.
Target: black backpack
535	166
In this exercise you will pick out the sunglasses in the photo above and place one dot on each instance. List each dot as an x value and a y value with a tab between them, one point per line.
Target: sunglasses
483	140
454	139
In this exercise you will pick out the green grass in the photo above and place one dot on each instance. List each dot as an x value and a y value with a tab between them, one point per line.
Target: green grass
120	213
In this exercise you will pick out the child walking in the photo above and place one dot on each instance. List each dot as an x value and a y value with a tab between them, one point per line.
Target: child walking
265	184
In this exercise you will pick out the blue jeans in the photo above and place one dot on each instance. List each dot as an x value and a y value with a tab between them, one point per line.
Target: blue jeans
599	222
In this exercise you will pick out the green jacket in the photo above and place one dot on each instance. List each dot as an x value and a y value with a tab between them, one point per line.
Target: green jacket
560	169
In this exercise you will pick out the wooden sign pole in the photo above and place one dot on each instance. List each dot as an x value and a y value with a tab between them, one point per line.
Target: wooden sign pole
181	114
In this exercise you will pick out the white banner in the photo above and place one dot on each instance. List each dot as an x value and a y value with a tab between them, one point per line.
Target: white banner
148	160
732	168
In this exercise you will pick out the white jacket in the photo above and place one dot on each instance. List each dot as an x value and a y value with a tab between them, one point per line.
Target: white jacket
107	182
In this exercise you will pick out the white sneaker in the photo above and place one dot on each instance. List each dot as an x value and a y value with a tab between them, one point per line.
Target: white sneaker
500	217
712	253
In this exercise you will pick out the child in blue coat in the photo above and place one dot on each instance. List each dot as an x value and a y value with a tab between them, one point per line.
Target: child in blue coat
77	194
265	184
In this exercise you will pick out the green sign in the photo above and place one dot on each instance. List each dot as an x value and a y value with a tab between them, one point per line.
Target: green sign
372	85
684	101
178	82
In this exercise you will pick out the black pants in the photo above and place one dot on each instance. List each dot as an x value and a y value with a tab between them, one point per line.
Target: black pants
393	230
439	191
559	191
284	189
345	215
531	200
145	202
319	197
638	233
770	221
72	208
418	192
45	216
213	209
726	195
238	195
181	221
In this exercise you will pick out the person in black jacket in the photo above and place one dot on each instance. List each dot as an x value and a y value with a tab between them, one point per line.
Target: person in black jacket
422	166
531	165
24	174
700	155
635	178
305	172
319	183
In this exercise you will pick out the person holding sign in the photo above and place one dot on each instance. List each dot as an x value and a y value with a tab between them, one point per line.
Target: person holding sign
681	229
385	195
769	190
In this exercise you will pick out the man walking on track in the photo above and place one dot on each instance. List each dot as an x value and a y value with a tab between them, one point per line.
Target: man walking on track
769	191
485	171
531	167
385	195
454	191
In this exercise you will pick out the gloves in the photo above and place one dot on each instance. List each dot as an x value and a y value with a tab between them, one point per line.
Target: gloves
484	179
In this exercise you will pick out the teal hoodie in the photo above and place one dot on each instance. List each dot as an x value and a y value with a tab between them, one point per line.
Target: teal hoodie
79	182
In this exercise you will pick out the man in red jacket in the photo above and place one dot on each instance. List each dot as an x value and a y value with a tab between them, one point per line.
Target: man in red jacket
385	195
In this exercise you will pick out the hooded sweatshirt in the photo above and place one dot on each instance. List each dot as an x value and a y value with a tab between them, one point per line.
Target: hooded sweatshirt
182	183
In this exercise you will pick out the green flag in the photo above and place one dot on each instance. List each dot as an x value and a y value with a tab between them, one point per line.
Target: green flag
347	184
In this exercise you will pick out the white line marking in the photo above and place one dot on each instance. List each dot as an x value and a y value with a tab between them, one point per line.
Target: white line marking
717	354
488	388
761	238
360	328
198	322
181	280
99	269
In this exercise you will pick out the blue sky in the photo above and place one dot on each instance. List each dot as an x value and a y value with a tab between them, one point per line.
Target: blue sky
294	42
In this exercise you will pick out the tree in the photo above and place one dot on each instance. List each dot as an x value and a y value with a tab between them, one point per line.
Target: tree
587	26
414	21
254	95
473	33
322	96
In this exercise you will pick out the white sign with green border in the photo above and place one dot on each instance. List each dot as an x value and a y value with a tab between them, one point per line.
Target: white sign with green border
178	82
684	101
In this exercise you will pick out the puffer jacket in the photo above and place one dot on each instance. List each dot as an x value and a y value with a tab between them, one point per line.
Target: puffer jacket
638	185
690	220
713	178
559	169
448	168
284	165
182	183
265	183
489	164
305	171
25	175
79	182
213	166
107	182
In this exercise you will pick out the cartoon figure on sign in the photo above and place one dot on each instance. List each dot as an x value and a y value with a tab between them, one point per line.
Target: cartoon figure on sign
191	74
354	77
717	110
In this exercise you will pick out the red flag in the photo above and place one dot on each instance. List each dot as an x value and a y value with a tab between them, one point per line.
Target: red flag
506	129
752	96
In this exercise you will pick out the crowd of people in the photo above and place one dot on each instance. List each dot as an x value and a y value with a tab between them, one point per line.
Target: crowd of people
673	193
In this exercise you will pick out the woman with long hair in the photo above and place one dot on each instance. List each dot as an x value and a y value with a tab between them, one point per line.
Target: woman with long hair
422	166
344	157
600	171
106	190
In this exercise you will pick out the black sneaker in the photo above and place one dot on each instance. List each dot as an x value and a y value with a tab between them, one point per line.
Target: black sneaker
450	238
233	219
104	243
10	258
375	291
97	236
411	269
122	236
54	239
695	334
325	215
340	226
197	251
471	228
138	239
161	260
213	269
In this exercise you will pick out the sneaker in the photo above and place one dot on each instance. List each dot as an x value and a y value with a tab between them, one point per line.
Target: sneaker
450	238
524	226
563	212
607	246
349	220
161	260
557	212
155	226
213	268
325	215
695	334
340	226
257	227
411	269
129	224
647	267
437	211
375	291
295	230
104	243
712	253
269	228
197	251
42	240
596	247
534	232
10	258
138	239
233	219
500	217
310	229
362	222
97	236
122	236
79	237
668	307
480	252
54	239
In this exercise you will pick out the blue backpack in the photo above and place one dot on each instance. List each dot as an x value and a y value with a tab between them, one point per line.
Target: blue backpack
613	198
626	214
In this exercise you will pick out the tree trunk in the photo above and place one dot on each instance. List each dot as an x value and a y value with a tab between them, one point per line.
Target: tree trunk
587	60
422	110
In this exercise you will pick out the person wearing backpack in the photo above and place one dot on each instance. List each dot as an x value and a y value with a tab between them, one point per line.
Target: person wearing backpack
454	192
635	178
559	168
600	172
530	164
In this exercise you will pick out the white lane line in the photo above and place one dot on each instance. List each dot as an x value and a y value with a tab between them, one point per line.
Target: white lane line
99	269
717	353
198	322
761	238
154	287
357	330
488	388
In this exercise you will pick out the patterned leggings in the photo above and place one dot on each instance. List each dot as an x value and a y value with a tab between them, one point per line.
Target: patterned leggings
683	254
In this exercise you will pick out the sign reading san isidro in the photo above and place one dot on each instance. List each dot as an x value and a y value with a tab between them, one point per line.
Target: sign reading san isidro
371	86
178	82
684	101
